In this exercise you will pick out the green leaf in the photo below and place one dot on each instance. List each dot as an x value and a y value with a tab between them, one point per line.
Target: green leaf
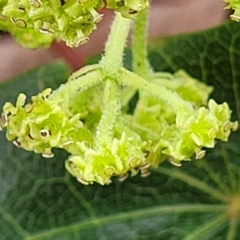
199	201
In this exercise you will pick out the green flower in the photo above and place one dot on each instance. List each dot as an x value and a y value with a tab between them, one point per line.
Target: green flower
223	115
37	23
128	8
43	21
42	125
234	5
122	155
178	145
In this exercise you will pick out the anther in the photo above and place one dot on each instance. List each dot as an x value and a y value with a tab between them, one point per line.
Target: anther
109	171
21	23
133	162
174	163
235	126
18	22
82	181
145	174
45	133
4	119
16	143
67	143
45	30
200	154
29	108
98	18
226	126
30	136
145	166
235	17
212	133
82	41
35	3
47	155
21	8
132	11
122	177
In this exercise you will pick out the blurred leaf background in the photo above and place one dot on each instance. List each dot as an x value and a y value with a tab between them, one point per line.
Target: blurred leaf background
201	200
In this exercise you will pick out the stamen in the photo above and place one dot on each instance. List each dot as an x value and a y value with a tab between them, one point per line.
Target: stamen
235	17
82	41
16	143
21	8
174	163
45	30
45	133
82	181
132	11
145	174
212	133
29	108
146	166
109	171
122	177
226	126
18	22
67	143
235	126
98	18
47	155
35	3
200	154
133	162
4	119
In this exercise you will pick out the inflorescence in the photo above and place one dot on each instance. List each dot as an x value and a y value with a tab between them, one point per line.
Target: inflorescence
89	115
37	23
104	140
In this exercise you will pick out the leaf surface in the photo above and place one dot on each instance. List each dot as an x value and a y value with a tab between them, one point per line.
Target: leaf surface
199	201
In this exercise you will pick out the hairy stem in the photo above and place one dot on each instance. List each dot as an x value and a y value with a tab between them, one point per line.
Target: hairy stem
173	100
112	59
111	110
139	45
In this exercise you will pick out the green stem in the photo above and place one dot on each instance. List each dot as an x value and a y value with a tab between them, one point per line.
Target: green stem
112	106
112	60
84	82
111	63
173	100
139	45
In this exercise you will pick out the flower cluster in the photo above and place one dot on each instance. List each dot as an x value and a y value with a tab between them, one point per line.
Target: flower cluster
128	8
38	22
234	5
178	135
125	153
42	125
70	21
103	143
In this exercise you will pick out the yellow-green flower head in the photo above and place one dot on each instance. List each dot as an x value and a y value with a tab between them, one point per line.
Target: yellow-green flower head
234	5
37	23
114	159
42	125
71	21
128	8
